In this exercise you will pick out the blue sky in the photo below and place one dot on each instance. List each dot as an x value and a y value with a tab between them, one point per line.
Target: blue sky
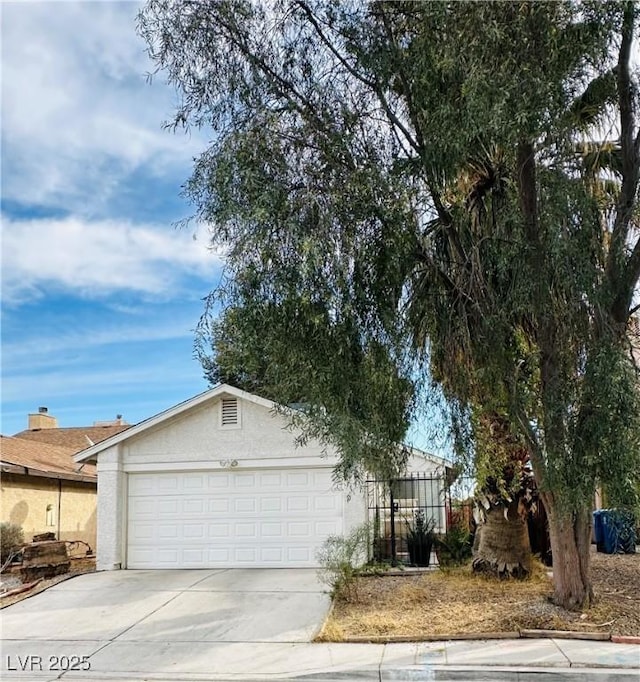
100	292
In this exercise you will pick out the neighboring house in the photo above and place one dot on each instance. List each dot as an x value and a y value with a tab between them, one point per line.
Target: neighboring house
43	428
43	489
218	481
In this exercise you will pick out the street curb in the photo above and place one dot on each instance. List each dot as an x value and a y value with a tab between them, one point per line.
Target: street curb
565	634
436	673
625	639
516	634
408	674
521	634
505	674
404	639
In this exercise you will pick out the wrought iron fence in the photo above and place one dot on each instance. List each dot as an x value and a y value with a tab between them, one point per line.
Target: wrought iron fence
399	509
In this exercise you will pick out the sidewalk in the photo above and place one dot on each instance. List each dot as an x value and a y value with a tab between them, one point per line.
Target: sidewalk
542	660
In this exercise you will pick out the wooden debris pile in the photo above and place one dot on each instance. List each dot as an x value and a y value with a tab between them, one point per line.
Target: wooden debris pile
45	559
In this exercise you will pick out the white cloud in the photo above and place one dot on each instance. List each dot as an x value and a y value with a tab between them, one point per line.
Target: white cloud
61	384
65	348
96	258
78	115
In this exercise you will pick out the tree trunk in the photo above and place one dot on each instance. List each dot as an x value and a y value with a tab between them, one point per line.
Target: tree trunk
570	547
503	549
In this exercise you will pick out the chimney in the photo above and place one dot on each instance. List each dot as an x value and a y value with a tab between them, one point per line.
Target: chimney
42	420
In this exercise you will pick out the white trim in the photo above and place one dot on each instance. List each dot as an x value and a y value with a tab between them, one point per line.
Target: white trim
124	521
247	464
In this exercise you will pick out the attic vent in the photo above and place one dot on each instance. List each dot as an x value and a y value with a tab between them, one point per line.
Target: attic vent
229	414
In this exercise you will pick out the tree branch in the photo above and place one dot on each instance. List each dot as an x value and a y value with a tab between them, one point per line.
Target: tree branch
527	191
623	276
372	84
445	216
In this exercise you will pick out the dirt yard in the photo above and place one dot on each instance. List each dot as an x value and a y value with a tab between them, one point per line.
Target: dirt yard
458	602
11	580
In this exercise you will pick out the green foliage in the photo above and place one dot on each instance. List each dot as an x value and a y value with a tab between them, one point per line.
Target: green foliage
11	538
347	391
416	190
341	559
454	547
422	529
610	447
420	538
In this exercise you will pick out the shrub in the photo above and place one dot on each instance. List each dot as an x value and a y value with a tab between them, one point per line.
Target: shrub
454	547
341	559
11	537
420	538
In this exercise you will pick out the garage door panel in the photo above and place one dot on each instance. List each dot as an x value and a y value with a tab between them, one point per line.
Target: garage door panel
140	484
299	555
244	481
272	555
167	484
244	505
298	479
271	504
195	506
219	530
204	519
218	481
271	530
270	480
193	531
194	484
298	503
218	505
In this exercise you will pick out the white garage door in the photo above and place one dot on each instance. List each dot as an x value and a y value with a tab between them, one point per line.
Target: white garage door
205	519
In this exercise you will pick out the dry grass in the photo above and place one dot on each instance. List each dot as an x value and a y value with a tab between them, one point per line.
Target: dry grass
459	602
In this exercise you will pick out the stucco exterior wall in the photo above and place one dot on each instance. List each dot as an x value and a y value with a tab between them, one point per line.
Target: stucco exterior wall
197	436
78	512
73	506
111	510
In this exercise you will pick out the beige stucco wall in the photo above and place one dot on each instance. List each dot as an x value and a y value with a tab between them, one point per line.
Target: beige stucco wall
25	500
197	436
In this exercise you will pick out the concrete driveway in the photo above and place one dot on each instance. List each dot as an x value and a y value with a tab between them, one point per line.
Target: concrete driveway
161	621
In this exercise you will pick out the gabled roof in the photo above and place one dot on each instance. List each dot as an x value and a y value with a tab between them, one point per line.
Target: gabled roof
27	457
441	461
221	389
215	392
74	437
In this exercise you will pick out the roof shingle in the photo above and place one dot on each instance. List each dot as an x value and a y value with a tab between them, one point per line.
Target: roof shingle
44	458
74	437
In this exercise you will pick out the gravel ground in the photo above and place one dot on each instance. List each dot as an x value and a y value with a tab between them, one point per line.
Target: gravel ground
12	580
458	602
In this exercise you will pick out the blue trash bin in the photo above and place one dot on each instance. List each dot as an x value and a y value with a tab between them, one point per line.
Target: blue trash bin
618	531
626	526
597	530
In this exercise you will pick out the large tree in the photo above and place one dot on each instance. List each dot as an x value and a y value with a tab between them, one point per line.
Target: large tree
409	184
